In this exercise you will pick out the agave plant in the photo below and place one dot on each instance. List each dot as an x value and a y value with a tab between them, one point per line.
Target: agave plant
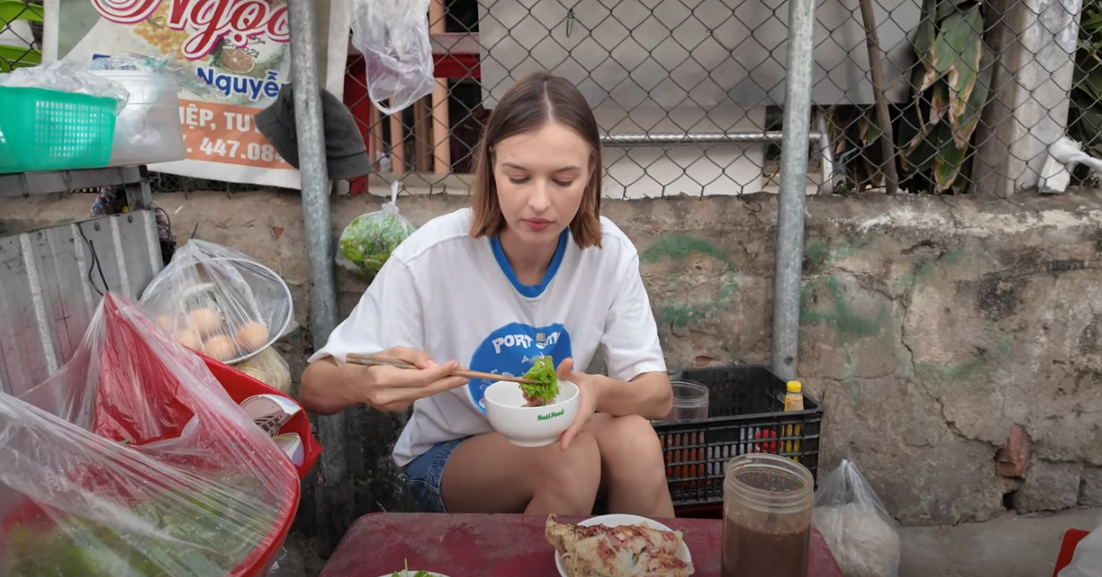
951	85
1086	96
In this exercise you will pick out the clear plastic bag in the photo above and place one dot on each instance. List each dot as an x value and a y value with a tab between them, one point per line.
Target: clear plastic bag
856	525
133	461
270	368
166	65
393	36
218	301
68	76
1087	559
368	240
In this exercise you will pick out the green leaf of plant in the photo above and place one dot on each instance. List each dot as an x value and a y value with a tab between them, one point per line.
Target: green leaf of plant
956	35
947	7
1091	83
869	127
962	76
927	29
939	102
968	119
948	160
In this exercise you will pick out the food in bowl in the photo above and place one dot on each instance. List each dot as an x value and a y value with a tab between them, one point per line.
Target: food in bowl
526	426
546	387
622	550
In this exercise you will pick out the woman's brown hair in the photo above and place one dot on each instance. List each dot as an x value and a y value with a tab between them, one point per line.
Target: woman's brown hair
526	106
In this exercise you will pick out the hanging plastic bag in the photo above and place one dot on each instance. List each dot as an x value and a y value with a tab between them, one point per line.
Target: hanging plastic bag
132	461
368	240
393	36
856	525
1087	559
219	302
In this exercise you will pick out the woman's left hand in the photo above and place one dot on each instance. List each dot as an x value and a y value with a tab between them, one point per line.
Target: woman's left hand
587	399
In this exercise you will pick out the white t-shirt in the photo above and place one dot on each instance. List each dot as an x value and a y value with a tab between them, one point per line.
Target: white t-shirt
457	298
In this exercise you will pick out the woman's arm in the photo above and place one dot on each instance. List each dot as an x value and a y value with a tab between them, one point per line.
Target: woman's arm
637	383
329	388
388	321
648	395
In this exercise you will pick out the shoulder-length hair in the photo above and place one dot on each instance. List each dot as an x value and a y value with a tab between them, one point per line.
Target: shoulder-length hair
526	106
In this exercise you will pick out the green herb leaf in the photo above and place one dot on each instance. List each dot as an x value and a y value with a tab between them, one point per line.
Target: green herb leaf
547	383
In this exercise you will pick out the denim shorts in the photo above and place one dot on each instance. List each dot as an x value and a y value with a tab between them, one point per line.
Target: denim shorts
424	473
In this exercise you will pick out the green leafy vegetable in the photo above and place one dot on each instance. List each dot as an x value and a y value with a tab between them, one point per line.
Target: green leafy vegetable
405	572
547	383
368	241
202	534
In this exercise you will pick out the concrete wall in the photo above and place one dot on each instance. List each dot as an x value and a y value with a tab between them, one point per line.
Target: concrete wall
934	330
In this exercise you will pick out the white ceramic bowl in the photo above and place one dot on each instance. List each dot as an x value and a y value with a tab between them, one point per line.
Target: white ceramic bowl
619	520
530	426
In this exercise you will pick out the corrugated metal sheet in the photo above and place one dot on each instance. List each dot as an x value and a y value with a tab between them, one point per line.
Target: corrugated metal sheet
52	280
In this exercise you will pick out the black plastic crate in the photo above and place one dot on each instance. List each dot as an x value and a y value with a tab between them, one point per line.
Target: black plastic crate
745	415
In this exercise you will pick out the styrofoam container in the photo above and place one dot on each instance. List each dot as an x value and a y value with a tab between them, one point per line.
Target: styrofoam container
148	130
530	426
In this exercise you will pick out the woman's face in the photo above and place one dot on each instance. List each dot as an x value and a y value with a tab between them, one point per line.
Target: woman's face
541	177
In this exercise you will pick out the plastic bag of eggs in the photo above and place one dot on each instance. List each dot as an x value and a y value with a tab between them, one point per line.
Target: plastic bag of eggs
207	331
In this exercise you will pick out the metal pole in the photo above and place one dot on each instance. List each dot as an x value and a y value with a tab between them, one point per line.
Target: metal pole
793	189
333	495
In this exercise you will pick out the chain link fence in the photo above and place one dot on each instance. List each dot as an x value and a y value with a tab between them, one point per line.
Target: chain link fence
945	96
20	33
960	96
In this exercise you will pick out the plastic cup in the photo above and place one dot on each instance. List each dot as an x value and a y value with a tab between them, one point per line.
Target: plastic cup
690	401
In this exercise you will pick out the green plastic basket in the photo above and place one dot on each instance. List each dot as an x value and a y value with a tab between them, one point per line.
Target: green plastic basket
52	130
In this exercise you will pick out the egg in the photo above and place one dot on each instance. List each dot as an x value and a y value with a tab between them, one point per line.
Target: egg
205	321
189	339
220	348
252	336
166	322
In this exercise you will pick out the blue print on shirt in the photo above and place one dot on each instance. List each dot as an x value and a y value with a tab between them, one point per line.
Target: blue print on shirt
512	349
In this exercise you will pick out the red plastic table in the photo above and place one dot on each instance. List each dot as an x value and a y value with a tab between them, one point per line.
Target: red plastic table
500	546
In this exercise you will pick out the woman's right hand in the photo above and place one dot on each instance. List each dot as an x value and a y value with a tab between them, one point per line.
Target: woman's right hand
392	389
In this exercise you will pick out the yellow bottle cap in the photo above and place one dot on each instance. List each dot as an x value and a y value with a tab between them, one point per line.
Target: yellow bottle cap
794	387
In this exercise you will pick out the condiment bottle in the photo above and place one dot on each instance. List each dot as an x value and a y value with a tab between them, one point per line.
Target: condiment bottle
766	517
793	401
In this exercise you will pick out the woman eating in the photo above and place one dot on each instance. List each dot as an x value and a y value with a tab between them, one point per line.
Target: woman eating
531	269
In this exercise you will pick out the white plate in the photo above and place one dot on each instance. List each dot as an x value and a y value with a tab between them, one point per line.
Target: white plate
620	520
412	573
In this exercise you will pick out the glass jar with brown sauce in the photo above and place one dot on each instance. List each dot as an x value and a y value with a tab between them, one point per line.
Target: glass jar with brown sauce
766	517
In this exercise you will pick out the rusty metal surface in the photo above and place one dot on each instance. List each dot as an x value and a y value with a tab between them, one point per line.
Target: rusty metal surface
51	281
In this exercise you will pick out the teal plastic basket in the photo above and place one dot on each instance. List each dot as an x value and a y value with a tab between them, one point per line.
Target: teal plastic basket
51	130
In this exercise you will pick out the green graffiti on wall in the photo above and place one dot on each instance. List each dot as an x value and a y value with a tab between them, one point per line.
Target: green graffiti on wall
912	278
679	246
681	314
677	314
970	368
838	314
819	252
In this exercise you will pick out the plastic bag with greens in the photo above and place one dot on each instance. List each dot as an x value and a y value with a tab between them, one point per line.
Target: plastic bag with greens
369	239
132	460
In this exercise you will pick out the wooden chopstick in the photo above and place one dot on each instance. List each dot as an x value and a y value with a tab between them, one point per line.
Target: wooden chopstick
375	360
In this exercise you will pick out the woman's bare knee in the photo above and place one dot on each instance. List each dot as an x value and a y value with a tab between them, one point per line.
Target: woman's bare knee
631	452
570	478
629	446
